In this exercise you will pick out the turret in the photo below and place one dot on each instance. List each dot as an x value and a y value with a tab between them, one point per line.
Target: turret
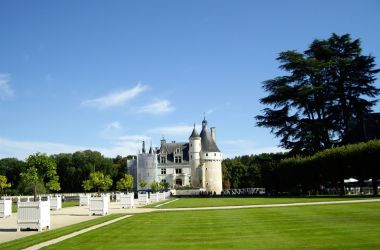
194	152
143	147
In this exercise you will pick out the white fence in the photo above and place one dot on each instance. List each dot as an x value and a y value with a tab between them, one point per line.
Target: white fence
143	198
56	202
34	214
5	208
244	191
84	200
154	197
98	205
127	200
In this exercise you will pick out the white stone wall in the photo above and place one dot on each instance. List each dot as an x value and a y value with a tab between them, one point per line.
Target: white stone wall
147	169
213	176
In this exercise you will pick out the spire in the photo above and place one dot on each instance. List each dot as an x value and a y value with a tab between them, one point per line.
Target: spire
143	147
204	122
194	133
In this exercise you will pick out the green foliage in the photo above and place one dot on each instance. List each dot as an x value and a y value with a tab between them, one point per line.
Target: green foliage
73	169
164	185
125	183
87	185
142	183
4	184
12	168
155	186
31	178
333	166
326	88
42	168
97	181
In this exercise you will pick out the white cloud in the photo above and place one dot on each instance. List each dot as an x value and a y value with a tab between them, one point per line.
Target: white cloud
157	107
128	145
114	125
115	98
22	149
178	130
5	90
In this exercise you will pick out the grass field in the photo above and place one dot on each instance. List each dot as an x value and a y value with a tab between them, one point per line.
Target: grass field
217	202
346	226
55	233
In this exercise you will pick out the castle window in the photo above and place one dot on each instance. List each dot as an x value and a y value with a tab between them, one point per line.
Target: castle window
163	170
177	150
163	159
178	170
191	157
214	154
206	154
177	159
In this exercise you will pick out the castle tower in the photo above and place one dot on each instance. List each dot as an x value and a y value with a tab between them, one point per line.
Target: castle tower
211	160
194	152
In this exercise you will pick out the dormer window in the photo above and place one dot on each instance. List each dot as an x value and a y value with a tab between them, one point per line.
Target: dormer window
162	159
177	159
178	151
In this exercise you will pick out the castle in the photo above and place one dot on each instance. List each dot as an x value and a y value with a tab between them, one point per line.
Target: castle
195	164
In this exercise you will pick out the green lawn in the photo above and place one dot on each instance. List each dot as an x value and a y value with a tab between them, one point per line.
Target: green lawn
217	202
344	226
55	233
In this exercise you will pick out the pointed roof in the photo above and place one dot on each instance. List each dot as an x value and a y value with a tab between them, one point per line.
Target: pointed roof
208	144
150	150
194	133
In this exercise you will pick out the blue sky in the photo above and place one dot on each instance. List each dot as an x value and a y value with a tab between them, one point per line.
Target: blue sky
104	75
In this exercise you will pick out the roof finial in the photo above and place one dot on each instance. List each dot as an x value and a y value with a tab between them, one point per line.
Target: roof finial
194	125
204	116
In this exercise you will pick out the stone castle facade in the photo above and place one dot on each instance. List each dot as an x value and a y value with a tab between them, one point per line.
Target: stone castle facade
196	163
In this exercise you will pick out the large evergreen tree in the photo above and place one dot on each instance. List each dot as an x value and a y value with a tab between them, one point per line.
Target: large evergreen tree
327	85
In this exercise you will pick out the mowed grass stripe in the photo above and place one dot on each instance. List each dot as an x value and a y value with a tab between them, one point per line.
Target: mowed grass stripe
324	226
219	202
55	233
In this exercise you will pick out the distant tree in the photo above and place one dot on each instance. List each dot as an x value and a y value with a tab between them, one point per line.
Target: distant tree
12	168
3	184
155	186
327	86
41	170
97	181
31	178
87	185
164	185
125	183
142	183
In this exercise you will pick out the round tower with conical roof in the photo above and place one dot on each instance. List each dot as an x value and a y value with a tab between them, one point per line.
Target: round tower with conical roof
211	160
205	159
195	150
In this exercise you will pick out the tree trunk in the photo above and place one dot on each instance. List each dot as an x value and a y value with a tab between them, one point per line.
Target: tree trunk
35	192
341	186
374	185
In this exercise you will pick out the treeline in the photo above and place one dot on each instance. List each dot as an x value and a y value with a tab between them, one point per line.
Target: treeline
71	169
305	175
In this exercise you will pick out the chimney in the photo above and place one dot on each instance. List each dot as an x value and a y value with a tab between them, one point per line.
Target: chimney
213	133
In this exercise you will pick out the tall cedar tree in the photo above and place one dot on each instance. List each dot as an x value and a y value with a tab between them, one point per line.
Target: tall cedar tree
327	86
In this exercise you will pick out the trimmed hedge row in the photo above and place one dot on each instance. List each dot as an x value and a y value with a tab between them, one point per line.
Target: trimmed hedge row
332	166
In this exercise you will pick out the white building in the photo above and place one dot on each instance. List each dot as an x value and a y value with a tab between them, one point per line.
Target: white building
195	164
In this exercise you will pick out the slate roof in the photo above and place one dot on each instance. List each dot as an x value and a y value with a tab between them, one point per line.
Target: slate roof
208	144
169	149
